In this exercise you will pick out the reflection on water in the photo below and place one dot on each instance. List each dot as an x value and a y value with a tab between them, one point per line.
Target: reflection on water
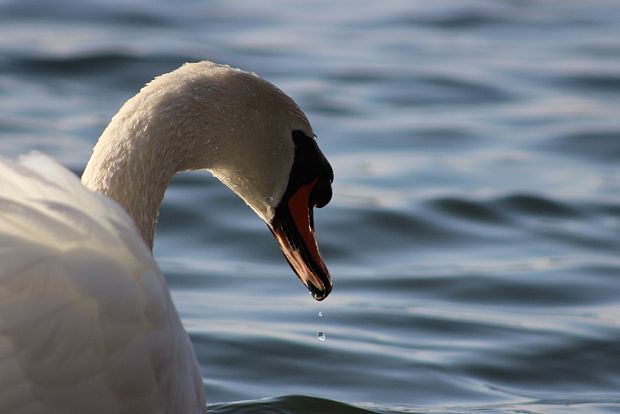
475	227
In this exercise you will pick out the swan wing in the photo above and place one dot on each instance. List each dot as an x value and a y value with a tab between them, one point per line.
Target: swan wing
86	319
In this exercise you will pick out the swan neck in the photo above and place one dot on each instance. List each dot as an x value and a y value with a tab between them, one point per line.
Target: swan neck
133	170
201	116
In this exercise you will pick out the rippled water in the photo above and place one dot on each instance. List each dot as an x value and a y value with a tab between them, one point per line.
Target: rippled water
474	234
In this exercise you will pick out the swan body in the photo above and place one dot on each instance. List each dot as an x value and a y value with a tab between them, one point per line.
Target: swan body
87	323
86	319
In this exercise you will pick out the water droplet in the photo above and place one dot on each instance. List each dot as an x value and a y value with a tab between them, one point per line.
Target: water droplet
321	336
320	314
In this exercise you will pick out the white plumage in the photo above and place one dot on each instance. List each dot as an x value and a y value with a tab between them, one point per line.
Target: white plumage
87	324
86	320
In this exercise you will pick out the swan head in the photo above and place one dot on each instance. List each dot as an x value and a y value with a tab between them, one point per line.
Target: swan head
255	140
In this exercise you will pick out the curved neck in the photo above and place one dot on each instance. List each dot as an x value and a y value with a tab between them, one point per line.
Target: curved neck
200	116
130	166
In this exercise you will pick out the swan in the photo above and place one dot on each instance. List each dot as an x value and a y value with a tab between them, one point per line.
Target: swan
87	324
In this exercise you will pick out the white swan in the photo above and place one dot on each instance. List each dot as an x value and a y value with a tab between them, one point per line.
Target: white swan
86	320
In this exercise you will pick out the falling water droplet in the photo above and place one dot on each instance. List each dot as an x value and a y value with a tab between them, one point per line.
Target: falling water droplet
321	336
320	314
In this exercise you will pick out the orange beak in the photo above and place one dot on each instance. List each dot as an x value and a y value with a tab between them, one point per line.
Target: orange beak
293	228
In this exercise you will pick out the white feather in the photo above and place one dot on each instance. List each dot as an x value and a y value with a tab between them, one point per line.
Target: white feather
87	324
86	320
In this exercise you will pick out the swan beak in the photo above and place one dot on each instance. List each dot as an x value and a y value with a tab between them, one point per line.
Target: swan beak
293	227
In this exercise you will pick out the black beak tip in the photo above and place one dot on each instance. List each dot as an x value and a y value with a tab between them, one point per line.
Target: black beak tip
320	293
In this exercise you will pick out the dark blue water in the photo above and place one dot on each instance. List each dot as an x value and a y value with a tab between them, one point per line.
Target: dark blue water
474	234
